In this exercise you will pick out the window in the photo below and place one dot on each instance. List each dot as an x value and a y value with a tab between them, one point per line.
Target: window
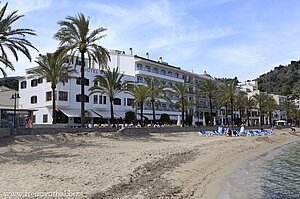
100	99
23	84
124	101
104	99
33	99
129	86
63	96
45	118
40	80
163	72
170	73
48	96
33	82
86	81
140	79
170	84
95	83
176	75
117	101
130	102
139	66
95	99
86	98
148	68
155	70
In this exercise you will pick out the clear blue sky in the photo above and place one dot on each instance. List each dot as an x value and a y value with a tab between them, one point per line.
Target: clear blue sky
226	38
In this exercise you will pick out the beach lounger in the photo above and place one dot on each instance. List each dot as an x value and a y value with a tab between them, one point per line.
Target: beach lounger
203	133
251	133
216	132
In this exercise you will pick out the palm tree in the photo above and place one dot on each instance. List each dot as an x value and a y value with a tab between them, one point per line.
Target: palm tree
240	102
140	94
291	109
208	88
227	94
110	84
52	67
76	37
261	101
270	106
155	91
180	90
12	39
249	104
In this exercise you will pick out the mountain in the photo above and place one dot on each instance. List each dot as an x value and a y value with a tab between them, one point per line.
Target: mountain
283	80
10	82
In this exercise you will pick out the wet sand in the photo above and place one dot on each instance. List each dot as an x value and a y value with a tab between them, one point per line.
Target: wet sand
107	165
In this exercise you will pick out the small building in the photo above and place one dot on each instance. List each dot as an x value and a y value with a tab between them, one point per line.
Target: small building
10	109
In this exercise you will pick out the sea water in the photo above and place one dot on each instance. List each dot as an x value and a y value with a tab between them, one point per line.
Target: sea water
273	175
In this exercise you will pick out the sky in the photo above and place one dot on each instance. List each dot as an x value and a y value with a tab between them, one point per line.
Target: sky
226	38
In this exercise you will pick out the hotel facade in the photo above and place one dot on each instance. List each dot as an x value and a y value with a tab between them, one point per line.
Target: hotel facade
36	94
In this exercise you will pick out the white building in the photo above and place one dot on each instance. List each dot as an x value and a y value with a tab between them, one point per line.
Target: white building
9	108
36	91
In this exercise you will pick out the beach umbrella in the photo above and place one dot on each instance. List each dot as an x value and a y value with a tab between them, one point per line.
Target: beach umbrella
178	121
204	122
193	122
215	122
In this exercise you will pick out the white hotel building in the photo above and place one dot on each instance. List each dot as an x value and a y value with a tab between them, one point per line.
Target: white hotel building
36	92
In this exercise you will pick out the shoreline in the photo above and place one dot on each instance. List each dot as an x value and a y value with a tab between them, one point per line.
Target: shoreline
251	157
106	165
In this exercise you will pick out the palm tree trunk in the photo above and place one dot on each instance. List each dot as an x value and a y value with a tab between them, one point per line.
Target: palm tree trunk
142	104
82	96
231	103
270	118
182	111
261	117
248	118
153	111
111	100
210	106
53	104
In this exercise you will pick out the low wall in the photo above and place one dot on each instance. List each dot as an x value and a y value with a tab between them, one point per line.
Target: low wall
6	132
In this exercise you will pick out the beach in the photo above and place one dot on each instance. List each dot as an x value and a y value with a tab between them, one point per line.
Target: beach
109	165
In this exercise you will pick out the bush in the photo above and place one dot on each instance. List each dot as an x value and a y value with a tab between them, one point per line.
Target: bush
164	118
129	117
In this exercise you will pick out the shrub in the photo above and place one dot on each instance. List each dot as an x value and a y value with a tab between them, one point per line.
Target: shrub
129	117
164	118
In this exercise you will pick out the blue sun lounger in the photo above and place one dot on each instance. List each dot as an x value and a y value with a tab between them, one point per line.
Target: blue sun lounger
203	133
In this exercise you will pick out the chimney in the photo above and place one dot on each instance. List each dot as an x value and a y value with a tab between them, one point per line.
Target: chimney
160	60
130	51
147	55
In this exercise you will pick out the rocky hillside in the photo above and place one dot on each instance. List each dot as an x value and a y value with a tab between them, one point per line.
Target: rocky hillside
283	80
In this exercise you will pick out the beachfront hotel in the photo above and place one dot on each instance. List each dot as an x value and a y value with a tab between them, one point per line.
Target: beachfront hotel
36	92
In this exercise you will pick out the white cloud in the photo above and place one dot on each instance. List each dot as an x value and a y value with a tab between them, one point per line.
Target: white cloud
25	6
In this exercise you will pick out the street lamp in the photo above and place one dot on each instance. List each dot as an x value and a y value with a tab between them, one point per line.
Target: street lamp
15	96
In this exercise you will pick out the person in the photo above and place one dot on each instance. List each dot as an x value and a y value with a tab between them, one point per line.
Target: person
228	131
29	121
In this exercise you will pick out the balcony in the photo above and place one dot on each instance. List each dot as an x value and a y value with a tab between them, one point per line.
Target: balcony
157	74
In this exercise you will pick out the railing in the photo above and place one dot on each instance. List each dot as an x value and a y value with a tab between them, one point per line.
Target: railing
158	72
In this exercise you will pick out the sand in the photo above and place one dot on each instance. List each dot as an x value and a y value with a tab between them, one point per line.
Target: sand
107	165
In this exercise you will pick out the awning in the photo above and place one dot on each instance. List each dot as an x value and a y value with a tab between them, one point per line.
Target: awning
106	114
71	112
77	113
102	114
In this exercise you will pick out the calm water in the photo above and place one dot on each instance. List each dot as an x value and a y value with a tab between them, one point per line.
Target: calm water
270	176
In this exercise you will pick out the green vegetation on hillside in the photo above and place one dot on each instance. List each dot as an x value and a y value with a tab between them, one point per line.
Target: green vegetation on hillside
10	82
283	80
